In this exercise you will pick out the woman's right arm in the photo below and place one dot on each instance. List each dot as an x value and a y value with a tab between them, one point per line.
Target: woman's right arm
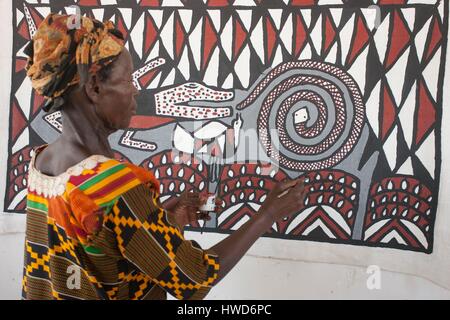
277	205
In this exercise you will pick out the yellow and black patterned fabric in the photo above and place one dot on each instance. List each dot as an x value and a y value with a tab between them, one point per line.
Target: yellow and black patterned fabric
105	236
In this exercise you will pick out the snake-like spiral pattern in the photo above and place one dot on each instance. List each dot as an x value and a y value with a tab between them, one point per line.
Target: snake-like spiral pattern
325	91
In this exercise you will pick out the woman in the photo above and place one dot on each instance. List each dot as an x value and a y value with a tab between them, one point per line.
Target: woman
95	226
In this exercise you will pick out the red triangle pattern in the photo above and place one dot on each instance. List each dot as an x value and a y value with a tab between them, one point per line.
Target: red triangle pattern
271	38
37	18
300	35
150	35
121	26
436	37
23	30
360	40
88	3
239	37
426	114
19	123
389	112
395	225
209	41
319	213
398	41
20	64
218	3
145	79
38	102
149	3
303	2
180	37
330	33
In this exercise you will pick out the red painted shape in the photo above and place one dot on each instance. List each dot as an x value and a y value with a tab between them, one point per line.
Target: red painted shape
319	213
122	28
361	38
300	35
148	122
239	38
37	18
302	2
20	64
389	113
271	38
436	37
209	41
179	37
150	34
394	225
149	3
37	103
23	30
399	40
218	3
145	79
19	122
426	115
330	33
88	3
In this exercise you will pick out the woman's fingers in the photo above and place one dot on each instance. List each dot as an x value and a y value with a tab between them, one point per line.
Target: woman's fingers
192	216
218	201
190	199
285	185
204	216
291	185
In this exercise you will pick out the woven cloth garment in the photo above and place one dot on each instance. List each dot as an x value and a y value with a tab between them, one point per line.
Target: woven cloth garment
101	221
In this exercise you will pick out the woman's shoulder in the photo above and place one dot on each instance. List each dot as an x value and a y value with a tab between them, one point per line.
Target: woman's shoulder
106	178
98	177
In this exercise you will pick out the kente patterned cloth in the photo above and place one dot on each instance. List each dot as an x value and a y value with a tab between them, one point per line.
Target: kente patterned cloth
101	221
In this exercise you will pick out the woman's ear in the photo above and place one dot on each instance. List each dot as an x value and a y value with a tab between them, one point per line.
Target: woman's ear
92	88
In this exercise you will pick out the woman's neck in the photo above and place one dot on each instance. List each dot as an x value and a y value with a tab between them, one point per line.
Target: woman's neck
84	133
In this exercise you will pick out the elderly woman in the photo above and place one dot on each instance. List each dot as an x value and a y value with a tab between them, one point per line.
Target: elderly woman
95	226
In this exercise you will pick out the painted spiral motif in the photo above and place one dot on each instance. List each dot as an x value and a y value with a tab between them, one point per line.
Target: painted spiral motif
311	115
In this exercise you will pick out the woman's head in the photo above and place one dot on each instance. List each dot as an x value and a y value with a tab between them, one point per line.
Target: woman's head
111	93
90	60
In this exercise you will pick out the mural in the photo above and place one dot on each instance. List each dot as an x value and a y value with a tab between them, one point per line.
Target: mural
237	95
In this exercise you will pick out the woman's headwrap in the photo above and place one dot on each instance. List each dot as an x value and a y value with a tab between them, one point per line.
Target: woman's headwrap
61	56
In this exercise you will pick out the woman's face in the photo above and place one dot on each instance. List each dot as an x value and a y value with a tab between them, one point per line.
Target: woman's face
117	103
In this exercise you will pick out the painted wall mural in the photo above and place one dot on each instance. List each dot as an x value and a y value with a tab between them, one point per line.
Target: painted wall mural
237	95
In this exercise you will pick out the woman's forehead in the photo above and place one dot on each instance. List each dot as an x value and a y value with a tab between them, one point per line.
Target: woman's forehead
124	63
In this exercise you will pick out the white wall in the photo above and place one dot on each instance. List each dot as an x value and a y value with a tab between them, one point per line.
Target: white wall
264	278
254	278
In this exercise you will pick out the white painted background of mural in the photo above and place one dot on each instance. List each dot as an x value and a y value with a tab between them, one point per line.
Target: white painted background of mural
331	271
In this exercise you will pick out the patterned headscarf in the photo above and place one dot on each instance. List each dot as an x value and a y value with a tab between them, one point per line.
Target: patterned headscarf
61	56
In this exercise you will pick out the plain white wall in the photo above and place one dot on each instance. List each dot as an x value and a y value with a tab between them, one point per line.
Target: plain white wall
254	278
264	278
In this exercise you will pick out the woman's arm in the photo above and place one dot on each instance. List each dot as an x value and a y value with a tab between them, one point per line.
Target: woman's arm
278	205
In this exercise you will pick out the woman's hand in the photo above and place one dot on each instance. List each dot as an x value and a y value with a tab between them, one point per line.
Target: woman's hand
284	200
186	210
